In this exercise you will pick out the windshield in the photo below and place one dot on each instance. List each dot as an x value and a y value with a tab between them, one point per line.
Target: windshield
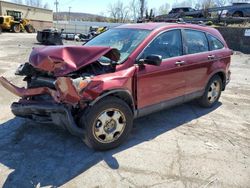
125	40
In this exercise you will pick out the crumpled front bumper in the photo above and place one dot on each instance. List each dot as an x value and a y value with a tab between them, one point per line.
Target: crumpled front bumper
64	92
57	114
51	112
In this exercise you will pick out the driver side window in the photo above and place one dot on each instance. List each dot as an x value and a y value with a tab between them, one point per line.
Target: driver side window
167	45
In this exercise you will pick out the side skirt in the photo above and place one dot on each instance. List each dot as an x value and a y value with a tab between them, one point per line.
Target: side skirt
167	104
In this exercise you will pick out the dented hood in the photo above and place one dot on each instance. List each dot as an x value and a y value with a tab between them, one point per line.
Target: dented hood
61	60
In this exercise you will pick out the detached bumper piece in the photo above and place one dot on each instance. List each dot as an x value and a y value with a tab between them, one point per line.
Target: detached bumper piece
23	92
57	114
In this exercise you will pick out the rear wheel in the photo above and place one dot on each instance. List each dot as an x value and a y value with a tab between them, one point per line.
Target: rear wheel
107	124
238	14
16	28
212	92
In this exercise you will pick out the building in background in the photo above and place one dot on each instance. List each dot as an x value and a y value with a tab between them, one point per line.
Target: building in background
40	18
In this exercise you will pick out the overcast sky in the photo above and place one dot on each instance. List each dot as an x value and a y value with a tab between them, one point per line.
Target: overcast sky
97	6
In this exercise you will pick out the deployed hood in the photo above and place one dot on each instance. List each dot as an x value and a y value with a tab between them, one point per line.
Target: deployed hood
61	60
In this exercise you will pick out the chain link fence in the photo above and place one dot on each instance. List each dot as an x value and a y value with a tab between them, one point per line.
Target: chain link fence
81	27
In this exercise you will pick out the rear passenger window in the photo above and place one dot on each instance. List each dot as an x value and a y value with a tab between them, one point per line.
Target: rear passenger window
214	43
167	45
196	41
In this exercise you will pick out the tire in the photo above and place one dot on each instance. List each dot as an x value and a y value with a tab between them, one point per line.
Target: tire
16	28
29	28
238	14
212	92
107	124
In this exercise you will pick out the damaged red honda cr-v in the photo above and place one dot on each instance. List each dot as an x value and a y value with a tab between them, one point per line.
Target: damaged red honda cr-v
96	90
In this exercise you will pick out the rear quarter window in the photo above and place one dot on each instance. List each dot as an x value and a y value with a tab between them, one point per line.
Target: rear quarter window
214	43
196	41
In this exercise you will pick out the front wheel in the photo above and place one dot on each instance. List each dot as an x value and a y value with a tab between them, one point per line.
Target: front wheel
16	28
107	124
29	28
212	92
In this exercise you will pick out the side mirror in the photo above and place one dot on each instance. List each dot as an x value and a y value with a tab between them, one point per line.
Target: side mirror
152	60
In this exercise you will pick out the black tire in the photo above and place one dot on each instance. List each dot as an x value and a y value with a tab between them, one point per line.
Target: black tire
90	119
29	28
16	28
205	101
238	14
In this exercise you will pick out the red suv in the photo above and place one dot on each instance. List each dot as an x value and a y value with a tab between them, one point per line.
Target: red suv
96	90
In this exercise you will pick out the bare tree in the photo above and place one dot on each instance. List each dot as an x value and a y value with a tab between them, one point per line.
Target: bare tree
118	11
205	4
143	7
34	3
164	9
220	3
198	6
46	6
134	9
185	3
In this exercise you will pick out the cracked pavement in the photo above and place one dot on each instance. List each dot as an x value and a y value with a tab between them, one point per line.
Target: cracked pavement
185	146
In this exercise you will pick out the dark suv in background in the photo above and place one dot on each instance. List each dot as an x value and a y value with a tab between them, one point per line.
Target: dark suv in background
239	11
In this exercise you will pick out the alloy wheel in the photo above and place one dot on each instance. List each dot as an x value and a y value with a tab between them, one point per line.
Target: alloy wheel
214	91
109	125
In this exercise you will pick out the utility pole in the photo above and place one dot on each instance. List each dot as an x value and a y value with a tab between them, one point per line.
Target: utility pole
56	3
69	13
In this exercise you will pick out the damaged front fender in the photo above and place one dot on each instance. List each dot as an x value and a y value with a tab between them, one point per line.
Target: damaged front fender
119	80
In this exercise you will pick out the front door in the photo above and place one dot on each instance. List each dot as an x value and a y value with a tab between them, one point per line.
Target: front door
157	84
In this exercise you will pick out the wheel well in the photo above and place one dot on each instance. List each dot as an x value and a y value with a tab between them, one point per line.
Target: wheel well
123	95
126	98
239	12
223	79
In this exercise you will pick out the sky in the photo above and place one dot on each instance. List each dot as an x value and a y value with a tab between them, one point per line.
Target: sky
97	6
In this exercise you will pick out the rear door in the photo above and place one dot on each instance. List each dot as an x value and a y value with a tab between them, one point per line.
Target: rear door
156	84
198	60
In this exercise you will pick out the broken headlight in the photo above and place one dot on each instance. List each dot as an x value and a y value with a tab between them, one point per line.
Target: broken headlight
81	83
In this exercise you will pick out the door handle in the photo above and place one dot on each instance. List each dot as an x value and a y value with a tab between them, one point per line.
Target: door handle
211	57
178	63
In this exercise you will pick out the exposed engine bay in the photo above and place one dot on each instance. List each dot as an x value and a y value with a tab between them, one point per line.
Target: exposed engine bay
38	78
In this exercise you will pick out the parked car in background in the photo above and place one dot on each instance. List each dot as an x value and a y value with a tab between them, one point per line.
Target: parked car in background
186	11
238	11
95	91
181	9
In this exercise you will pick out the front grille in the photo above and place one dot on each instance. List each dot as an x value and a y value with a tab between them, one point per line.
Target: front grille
1	20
